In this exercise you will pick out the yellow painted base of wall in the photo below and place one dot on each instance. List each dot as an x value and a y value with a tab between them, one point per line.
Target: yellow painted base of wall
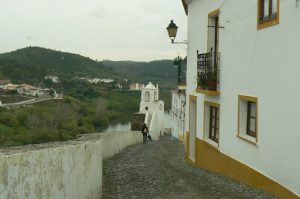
187	144
212	160
188	160
180	138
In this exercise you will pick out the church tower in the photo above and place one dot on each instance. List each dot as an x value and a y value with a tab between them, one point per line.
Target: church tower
149	95
153	108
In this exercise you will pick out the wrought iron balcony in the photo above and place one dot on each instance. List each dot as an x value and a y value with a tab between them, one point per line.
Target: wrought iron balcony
208	71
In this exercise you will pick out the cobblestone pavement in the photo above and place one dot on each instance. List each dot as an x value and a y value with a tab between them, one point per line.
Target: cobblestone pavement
157	170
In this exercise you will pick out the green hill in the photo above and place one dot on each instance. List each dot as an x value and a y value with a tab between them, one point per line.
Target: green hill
162	72
32	64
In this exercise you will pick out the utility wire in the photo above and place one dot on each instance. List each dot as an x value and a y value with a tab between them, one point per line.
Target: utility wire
223	4
243	14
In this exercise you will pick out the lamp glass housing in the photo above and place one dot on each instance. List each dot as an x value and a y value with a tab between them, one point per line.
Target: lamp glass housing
172	30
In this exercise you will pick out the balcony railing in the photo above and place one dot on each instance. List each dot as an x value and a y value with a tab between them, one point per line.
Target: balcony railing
208	71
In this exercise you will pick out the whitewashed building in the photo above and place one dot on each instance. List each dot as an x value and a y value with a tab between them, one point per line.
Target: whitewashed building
53	78
136	86
243	70
153	108
10	87
25	89
177	113
107	80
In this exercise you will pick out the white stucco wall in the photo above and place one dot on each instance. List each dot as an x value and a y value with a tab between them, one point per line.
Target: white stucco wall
113	143
155	107
177	115
68	170
260	63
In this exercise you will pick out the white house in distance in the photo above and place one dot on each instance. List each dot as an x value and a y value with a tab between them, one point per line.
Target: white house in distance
3	83
243	70
10	87
153	108
53	78
136	86
25	89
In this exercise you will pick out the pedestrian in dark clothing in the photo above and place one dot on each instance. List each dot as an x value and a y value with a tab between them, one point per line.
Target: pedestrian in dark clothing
145	131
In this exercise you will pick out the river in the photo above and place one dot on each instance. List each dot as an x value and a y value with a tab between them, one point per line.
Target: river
127	126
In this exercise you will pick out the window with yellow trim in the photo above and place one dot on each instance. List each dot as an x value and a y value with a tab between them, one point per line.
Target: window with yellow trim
211	122
268	13
247	118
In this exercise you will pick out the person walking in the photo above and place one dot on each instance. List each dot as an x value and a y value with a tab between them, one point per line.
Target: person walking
145	131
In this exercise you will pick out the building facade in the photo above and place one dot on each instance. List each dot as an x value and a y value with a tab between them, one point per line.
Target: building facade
177	113
25	89
242	109
136	86
153	108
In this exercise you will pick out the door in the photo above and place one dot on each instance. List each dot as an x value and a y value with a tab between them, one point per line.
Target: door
193	127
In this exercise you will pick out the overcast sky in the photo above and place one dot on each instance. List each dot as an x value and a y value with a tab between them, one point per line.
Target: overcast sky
99	29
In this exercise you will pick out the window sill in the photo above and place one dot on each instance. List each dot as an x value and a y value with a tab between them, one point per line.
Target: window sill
208	92
248	139
267	23
212	144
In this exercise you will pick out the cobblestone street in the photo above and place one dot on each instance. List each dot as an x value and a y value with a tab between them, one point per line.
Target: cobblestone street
157	170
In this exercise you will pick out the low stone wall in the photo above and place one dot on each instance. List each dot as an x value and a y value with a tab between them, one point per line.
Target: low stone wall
113	143
66	170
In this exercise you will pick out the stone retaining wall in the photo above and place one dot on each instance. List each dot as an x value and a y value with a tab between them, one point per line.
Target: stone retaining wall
66	170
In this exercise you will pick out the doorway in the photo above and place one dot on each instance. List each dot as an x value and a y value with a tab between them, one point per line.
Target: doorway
192	127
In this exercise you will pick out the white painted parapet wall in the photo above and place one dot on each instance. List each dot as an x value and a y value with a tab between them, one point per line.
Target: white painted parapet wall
115	142
68	170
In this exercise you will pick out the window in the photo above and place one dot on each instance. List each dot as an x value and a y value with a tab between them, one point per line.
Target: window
268	13
213	31
247	118
211	123
147	96
251	119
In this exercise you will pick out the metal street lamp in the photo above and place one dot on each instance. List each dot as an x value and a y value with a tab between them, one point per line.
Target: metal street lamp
172	32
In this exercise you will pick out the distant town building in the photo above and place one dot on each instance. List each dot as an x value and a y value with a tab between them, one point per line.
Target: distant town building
136	86
107	80
94	80
10	87
26	89
119	86
97	80
4	82
54	79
